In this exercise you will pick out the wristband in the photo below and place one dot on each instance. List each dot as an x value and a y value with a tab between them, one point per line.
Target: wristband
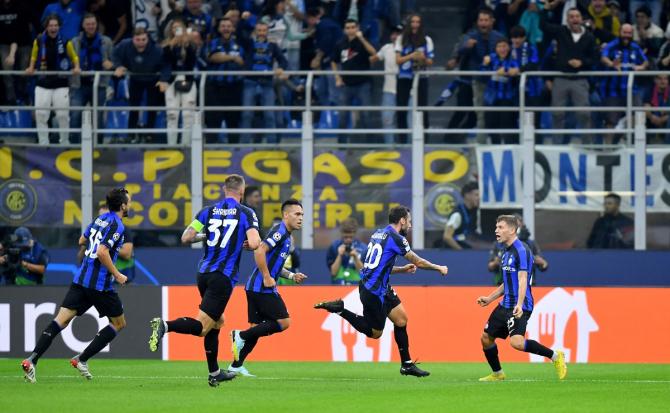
291	275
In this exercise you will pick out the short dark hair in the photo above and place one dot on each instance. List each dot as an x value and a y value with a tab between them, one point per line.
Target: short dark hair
502	40
115	198
469	187
89	15
233	182
487	11
510	220
314	11
354	21
349	225
289	202
517	31
615	197
52	16
574	9
397	213
139	31
644	9
250	190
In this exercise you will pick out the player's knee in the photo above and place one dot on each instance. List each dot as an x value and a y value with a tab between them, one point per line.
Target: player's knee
518	343
376	333
284	323
119	324
486	340
401	322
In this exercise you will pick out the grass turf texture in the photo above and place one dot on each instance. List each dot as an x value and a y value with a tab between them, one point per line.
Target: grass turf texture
146	386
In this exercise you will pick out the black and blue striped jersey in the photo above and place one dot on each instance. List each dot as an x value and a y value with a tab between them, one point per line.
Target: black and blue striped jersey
225	226
517	257
279	243
384	247
107	230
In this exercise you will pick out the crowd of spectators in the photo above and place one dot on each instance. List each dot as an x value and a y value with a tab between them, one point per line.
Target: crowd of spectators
147	43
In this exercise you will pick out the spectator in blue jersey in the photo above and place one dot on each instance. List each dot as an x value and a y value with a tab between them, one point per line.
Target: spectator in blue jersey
142	60
462	221
197	20
476	44
23	260
414	52
612	230
326	35
261	56
70	13
92	286
658	96
113	18
267	313
510	317
344	257
353	52
225	228
620	55
501	90
95	54
379	299
179	55
225	53
526	57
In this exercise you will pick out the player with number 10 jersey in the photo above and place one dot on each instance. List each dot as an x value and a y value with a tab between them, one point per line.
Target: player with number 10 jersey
223	228
379	299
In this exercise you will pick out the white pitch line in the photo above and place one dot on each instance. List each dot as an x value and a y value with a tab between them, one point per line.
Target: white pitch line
344	379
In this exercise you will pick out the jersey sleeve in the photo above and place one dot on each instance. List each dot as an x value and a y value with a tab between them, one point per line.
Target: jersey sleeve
112	235
200	220
525	258
401	245
398	45
87	231
454	220
252	219
274	237
430	48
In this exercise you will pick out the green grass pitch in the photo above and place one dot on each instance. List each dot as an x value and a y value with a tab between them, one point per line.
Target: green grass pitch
154	386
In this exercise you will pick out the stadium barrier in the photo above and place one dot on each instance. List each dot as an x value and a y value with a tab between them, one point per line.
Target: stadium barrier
592	325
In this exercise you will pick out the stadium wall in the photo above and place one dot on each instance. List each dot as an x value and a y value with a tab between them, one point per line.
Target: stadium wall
593	325
162	266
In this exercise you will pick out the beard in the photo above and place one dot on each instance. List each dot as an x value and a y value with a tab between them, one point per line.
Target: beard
403	232
125	214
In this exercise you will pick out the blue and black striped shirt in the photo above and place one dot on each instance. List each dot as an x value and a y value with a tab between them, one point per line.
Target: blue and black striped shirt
629	56
500	87
108	230
225	226
527	59
384	247
279	244
517	257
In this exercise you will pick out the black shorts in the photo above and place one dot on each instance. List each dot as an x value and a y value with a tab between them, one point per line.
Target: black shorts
80	299
374	310
215	289
502	323
262	307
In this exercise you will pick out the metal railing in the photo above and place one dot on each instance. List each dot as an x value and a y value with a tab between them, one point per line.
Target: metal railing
635	132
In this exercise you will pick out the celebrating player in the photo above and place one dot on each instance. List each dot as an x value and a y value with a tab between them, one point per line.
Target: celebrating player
227	225
511	316
266	310
92	286
378	297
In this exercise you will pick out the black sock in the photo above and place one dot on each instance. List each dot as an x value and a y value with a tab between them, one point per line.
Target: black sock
185	325
47	336
357	321
248	347
212	349
491	354
101	339
532	346
402	340
266	328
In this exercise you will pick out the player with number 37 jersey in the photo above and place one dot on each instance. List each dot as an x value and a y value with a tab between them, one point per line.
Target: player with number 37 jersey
379	299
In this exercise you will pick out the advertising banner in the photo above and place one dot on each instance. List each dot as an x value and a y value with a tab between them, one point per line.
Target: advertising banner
445	324
26	311
568	178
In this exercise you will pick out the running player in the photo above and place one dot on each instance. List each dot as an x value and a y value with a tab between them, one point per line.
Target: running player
511	316
91	286
227	225
266	310
378	297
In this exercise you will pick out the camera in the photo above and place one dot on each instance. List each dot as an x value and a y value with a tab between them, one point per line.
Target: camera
347	249
12	254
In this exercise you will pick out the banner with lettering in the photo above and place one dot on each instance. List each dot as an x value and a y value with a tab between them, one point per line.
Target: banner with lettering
569	178
42	186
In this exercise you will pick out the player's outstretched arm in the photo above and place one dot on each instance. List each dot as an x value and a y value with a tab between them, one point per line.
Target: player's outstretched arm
408	268
298	277
106	260
425	264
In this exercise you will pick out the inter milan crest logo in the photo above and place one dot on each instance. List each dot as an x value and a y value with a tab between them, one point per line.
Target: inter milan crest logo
440	201
18	201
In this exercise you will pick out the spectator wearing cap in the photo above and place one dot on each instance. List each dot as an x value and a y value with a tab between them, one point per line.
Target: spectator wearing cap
647	34
33	258
387	55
